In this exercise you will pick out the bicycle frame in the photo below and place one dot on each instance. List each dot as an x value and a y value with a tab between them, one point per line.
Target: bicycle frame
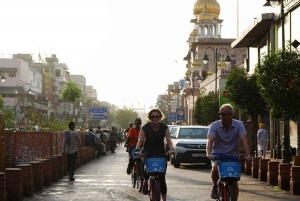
154	190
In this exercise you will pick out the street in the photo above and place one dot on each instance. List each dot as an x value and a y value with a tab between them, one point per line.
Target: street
106	179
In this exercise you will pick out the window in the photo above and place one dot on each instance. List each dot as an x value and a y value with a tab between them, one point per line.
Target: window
12	74
193	133
57	73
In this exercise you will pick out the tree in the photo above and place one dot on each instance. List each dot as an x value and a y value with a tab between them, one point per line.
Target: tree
8	115
245	93
123	117
72	93
279	78
206	108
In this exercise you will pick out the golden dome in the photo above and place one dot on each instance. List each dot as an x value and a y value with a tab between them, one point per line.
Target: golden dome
204	16
196	64
210	72
194	33
212	6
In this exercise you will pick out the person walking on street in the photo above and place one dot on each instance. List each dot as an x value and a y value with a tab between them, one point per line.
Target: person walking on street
262	140
112	139
131	141
223	136
70	144
120	136
152	137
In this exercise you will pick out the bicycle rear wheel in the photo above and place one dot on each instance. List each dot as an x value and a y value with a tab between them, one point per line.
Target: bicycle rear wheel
230	193
156	190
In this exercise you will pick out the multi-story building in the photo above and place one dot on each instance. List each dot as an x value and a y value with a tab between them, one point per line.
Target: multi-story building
80	107
206	40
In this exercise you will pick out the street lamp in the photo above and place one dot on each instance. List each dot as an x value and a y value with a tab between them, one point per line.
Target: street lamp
192	79
3	78
217	61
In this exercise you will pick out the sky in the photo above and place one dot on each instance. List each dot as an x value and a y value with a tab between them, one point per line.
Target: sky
128	50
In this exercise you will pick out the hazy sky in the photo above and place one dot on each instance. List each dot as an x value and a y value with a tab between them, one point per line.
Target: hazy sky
126	49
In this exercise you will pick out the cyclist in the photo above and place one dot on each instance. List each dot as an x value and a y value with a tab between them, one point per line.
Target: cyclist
127	129
131	141
223	136
152	136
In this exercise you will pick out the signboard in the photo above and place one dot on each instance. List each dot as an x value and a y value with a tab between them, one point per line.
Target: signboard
98	113
172	116
180	113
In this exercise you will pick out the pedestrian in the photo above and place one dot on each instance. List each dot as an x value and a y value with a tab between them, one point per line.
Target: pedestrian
70	144
131	142
120	136
223	136
112	139
91	140
262	141
152	136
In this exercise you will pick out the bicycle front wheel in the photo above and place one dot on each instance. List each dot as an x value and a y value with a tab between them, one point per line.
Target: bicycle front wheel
230	193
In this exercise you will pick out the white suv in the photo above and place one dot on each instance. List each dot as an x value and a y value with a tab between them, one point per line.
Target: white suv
189	143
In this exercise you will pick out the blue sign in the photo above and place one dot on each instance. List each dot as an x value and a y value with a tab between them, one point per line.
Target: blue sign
172	116
180	113
98	113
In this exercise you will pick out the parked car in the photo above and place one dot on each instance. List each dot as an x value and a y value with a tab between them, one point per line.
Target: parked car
189	144
172	129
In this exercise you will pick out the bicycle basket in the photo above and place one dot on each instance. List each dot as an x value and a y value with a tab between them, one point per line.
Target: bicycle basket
155	165
230	170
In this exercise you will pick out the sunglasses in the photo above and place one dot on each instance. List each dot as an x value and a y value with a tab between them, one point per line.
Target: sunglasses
157	117
223	114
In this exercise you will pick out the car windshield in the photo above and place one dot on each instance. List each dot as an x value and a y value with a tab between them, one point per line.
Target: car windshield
173	130
193	133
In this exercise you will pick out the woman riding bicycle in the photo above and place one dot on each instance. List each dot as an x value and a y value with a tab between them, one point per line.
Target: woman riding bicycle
152	136
131	141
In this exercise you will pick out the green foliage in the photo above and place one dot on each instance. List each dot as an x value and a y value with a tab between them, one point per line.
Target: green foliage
1	102
72	92
124	116
279	78
244	92
206	108
9	117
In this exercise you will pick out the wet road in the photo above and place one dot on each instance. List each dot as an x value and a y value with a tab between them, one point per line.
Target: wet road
106	179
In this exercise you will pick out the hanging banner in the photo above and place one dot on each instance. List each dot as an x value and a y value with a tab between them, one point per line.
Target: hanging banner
172	116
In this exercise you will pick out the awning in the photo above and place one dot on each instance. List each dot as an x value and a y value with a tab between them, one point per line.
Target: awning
258	29
8	69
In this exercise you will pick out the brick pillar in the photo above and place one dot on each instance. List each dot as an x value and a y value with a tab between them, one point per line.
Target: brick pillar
263	169
247	167
272	175
27	180
14	185
255	167
295	180
65	166
47	171
54	168
284	176
3	194
38	175
60	165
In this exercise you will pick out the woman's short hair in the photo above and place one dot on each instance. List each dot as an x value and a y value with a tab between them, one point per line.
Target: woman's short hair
161	114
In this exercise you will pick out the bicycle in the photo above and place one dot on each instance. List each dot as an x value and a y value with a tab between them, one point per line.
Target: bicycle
155	166
229	168
137	176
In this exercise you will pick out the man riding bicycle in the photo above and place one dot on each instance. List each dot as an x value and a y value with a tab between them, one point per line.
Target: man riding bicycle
223	136
131	141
